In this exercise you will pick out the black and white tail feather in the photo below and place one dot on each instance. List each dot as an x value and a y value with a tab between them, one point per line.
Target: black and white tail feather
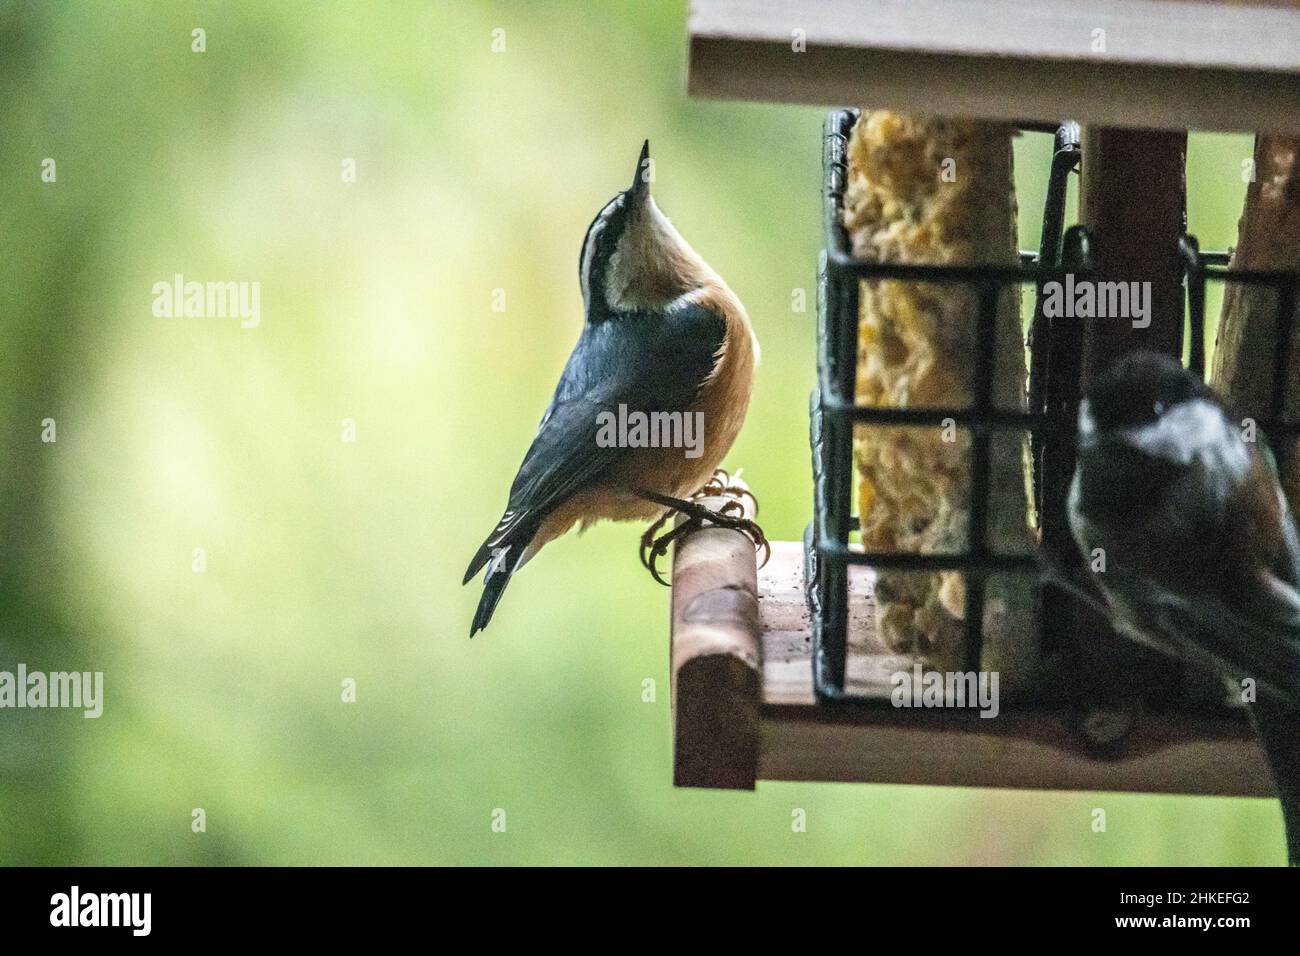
502	554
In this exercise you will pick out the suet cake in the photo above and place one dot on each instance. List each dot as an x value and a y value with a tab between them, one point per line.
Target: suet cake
936	191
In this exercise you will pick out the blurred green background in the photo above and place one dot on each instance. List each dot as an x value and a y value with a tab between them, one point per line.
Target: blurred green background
328	560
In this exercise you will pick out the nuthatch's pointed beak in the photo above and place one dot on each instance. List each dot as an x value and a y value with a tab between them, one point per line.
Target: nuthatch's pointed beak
641	178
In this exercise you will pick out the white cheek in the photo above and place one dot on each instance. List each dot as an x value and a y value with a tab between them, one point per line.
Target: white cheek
616	278
584	272
649	248
1195	429
635	257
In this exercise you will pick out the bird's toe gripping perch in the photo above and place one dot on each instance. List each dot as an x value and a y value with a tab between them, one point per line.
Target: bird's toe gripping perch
731	514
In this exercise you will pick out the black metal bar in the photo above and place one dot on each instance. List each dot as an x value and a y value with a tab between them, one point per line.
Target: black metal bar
1065	363
977	506
843	261
1191	252
962	417
1048	423
833	435
1065	159
908	561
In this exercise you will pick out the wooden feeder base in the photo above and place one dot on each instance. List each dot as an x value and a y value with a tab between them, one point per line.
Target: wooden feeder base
744	707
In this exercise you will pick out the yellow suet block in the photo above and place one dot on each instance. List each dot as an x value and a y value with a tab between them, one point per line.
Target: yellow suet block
936	191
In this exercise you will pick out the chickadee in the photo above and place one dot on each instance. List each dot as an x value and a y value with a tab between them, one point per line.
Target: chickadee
1201	556
663	334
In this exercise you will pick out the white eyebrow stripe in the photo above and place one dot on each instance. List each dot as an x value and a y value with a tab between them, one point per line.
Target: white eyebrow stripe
589	253
589	246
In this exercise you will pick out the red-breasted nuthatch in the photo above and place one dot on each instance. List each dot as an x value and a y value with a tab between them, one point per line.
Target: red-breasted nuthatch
1201	556
664	336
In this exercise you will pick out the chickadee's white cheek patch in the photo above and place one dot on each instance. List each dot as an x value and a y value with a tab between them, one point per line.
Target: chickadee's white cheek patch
1191	430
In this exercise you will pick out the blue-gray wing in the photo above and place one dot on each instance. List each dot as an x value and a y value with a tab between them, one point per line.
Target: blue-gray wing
646	362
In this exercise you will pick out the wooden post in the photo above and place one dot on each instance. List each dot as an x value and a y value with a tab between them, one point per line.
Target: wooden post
1134	202
716	656
1268	237
1133	199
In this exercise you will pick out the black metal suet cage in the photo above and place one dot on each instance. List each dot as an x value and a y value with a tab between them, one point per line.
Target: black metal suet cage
1056	348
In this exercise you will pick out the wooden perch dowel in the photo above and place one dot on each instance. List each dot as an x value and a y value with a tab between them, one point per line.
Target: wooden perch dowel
716	656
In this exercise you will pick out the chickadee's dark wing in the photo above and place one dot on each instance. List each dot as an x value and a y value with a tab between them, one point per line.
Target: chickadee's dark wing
646	362
1251	620
1236	644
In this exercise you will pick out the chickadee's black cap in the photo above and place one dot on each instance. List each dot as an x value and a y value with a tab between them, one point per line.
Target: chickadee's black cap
1140	387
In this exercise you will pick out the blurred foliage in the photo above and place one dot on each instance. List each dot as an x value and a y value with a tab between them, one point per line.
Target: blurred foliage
476	171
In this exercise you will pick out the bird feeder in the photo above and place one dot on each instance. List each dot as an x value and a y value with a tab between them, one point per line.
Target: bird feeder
778	672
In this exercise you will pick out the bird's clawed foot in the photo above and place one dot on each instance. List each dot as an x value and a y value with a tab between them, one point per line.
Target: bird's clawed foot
653	548
730	515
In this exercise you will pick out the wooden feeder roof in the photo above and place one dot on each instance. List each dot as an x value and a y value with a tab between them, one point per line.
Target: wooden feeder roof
1180	64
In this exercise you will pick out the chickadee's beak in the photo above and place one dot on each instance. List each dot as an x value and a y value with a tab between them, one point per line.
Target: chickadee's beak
640	187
